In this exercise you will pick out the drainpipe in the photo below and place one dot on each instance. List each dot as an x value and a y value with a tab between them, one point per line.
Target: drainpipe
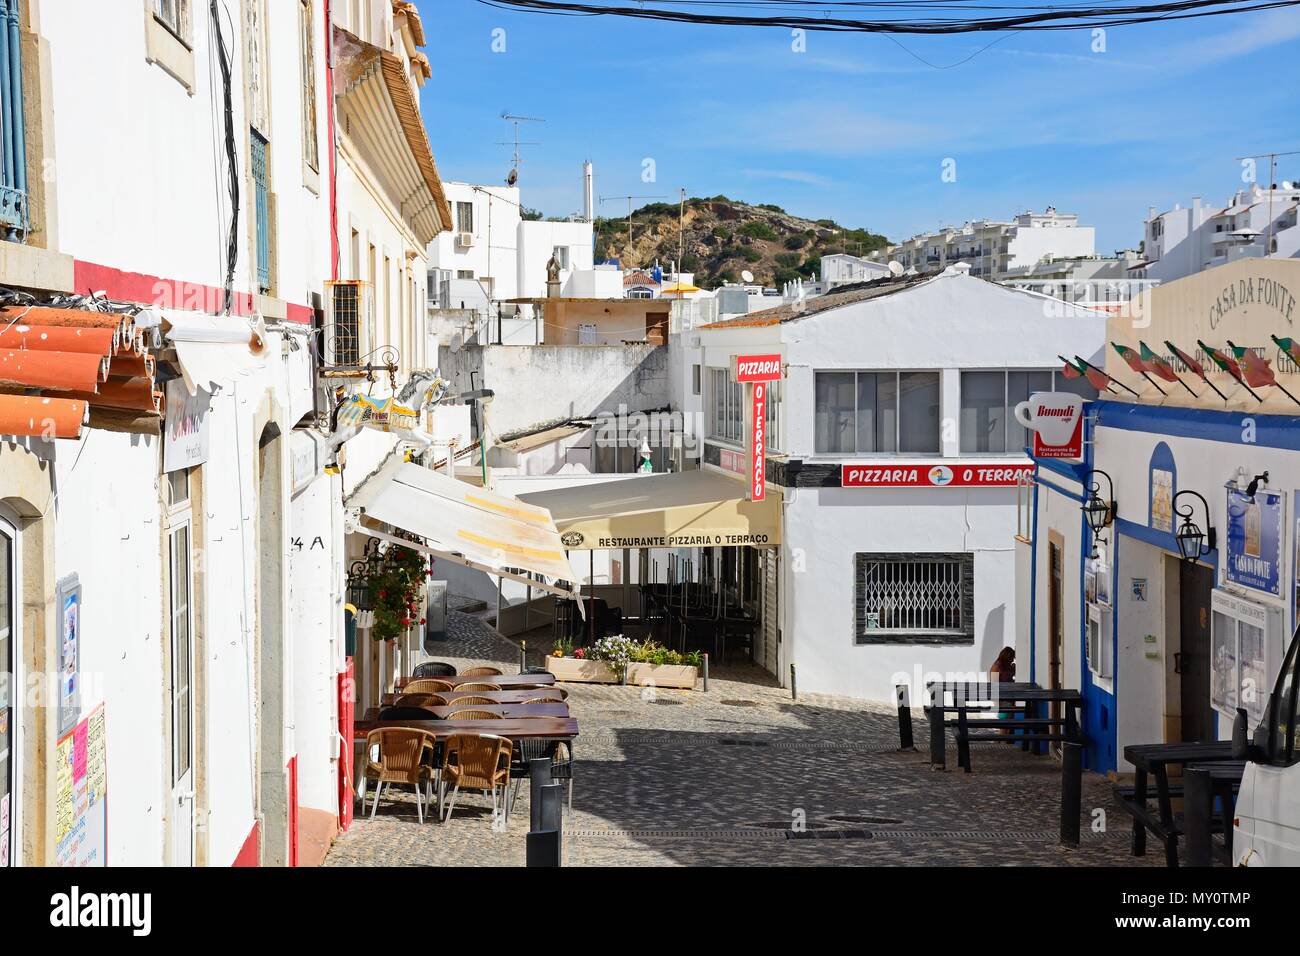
333	142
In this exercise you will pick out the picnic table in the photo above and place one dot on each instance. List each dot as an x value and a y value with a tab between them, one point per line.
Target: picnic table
496	696
504	681
1155	760
1205	785
1010	699
513	711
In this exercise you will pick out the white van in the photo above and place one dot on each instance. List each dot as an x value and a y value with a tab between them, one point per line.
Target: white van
1267	826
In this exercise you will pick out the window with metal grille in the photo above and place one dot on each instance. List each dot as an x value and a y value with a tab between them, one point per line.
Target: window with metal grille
914	599
13	154
262	211
343	341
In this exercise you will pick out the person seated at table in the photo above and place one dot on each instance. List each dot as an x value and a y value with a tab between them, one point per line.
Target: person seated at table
1003	670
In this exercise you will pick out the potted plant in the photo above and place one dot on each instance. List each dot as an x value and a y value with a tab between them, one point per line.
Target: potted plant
395	587
618	659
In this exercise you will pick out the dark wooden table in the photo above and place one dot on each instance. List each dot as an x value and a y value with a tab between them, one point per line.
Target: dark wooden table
512	711
1012	698
1204	785
526	728
496	696
1155	759
504	681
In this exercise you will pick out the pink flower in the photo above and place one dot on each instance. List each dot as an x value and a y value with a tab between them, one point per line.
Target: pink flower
580	654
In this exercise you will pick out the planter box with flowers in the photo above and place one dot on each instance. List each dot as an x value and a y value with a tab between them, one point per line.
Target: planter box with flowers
621	660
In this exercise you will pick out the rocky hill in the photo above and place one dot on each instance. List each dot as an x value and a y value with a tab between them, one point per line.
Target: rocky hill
722	237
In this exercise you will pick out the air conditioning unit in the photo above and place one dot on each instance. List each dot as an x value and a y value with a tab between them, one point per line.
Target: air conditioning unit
465	239
347	321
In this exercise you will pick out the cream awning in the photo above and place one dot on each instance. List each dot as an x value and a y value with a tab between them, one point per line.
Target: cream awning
463	523
689	509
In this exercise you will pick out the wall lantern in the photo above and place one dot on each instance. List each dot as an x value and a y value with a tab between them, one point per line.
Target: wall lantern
1099	513
1254	485
1193	544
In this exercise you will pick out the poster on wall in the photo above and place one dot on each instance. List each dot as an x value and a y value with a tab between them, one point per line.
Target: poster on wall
1245	652
1223	666
185	431
1255	539
68	598
1162	500
81	795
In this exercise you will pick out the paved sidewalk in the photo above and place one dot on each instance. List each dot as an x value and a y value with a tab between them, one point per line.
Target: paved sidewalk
721	779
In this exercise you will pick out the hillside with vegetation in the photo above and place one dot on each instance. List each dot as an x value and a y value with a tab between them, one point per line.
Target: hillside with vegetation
723	237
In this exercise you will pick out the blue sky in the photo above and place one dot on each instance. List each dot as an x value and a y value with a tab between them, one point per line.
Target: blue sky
856	128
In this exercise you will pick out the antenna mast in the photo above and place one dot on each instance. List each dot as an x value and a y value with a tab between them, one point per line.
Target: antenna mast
516	143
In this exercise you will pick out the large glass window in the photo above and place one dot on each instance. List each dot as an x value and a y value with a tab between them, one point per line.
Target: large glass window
727	410
873	413
988	423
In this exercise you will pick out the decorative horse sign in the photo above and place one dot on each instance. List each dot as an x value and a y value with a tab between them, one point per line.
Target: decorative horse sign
397	414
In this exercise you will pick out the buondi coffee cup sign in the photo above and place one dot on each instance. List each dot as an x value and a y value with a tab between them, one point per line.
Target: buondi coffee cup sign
1056	419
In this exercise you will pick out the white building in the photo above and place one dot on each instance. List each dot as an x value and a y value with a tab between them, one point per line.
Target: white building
842	269
894	448
1181	241
995	248
149	536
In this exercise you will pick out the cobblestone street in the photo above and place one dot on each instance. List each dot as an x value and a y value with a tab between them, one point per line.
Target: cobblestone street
693	778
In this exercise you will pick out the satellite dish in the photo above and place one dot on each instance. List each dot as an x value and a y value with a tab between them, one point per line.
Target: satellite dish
747	275
895	267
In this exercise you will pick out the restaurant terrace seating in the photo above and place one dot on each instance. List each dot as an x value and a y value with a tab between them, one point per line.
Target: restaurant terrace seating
473	685
473	699
482	672
472	714
433	669
475	762
420	700
395	755
428	686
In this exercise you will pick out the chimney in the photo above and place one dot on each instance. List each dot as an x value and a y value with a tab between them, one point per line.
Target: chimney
588	204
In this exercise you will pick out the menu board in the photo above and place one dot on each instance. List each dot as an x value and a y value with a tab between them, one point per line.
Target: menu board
81	795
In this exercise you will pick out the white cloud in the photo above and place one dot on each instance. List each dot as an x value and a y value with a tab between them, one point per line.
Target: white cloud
790	176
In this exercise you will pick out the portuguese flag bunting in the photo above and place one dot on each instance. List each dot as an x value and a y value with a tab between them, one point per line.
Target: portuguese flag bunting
1136	363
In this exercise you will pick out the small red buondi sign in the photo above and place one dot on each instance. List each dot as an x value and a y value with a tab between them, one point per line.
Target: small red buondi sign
955	475
758	368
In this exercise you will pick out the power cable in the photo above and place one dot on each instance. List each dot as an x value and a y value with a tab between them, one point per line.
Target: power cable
232	243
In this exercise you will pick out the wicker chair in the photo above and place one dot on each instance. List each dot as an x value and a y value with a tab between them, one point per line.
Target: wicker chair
427	685
471	714
472	699
478	685
397	755
529	749
433	669
420	700
482	672
543	700
476	762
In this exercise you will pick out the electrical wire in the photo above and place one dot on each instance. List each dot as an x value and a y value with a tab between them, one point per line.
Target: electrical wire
799	14
232	242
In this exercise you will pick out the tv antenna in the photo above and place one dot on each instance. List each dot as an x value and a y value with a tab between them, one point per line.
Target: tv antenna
605	199
516	143
1272	185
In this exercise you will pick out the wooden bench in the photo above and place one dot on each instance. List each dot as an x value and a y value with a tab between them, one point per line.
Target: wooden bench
1018	721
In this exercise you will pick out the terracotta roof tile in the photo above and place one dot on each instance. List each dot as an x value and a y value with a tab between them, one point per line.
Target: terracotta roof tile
45	417
843	295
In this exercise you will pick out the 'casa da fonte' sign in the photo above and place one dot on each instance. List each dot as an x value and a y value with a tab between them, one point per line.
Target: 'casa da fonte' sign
1253	290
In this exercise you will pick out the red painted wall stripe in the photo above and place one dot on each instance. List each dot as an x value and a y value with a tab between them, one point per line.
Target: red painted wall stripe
146	289
248	852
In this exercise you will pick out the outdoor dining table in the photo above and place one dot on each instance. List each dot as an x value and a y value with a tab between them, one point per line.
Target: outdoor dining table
1222	780
514	711
504	681
1010	698
515	729
496	696
1155	759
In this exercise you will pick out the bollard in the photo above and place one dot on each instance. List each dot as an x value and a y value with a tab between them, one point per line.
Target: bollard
905	741
552	815
706	673
1198	809
793	694
539	775
543	848
937	759
1071	792
523	656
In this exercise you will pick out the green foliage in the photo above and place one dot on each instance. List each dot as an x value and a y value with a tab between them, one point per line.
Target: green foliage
750	254
690	263
770	207
721	232
797	241
729	276
529	215
395	590
758	230
812	264
788	259
781	276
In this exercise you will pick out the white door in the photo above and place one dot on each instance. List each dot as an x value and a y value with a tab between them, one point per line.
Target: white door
9	682
181	646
